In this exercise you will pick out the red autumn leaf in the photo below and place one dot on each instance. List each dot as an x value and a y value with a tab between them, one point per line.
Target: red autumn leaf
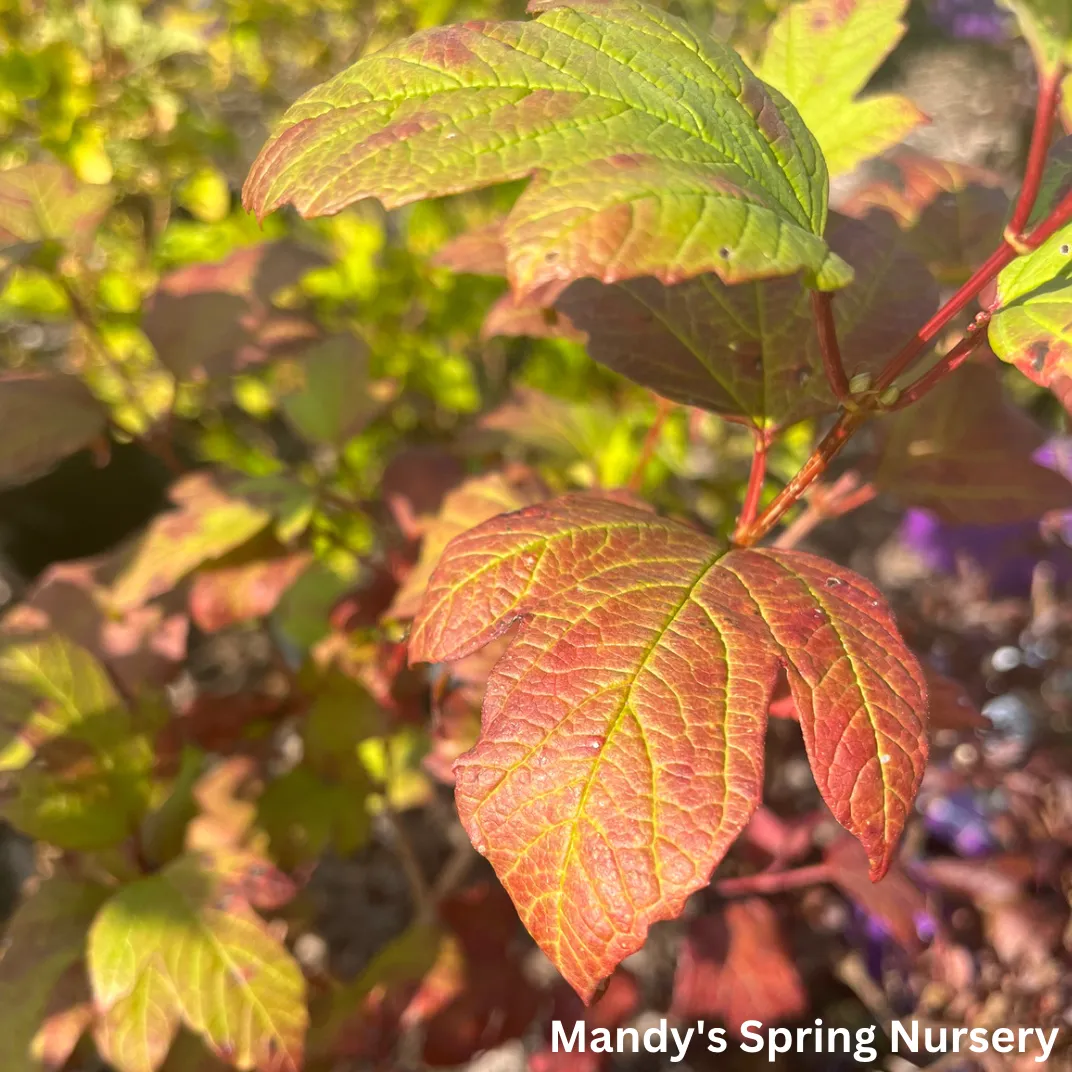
476	500
622	743
227	595
951	708
414	484
737	966
965	452
218	318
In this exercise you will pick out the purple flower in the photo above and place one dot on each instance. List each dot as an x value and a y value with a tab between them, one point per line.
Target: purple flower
971	19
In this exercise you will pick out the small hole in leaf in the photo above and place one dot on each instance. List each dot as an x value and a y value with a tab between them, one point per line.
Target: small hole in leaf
1064	249
551	256
724	253
832	582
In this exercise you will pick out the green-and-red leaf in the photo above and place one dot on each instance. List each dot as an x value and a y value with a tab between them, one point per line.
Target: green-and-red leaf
622	743
653	150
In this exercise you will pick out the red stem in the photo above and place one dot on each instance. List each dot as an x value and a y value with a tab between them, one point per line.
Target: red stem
651	441
829	448
1050	226
1049	95
756	477
947	365
774	881
822	305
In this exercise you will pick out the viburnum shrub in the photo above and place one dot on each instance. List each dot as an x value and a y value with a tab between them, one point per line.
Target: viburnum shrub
621	750
415	538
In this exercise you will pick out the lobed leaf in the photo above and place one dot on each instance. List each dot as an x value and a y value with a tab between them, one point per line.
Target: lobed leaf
652	150
207	523
622	744
184	947
750	352
44	416
965	452
821	54
1032	326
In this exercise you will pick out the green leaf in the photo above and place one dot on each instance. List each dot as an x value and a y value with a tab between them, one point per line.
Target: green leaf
44	416
45	939
653	150
821	54
46	202
622	743
185	947
207	523
332	402
1032	327
1047	27
49	687
750	352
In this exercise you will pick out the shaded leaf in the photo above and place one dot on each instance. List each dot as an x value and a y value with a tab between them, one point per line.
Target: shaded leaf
226	595
206	523
736	966
965	452
821	54
44	416
951	708
953	214
1032	327
750	352
622	742
1047	26
184	946
474	501
653	151
45	939
896	903
333	401
45	202
216	319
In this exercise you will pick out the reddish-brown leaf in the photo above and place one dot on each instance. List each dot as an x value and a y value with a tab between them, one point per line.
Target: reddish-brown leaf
44	416
954	214
896	902
227	595
622	744
737	966
218	318
965	452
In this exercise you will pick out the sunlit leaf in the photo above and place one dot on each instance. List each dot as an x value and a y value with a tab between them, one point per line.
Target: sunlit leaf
184	947
965	452
622	743
821	54
45	939
228	594
1032	327
44	416
653	150
474	501
46	202
206	523
750	351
